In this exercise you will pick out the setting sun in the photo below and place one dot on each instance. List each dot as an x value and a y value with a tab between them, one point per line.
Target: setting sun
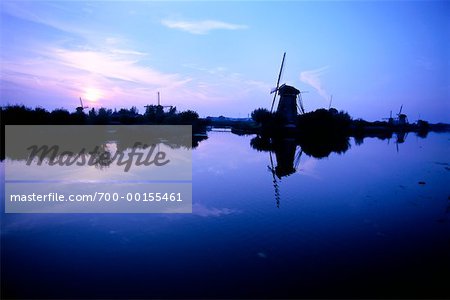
92	94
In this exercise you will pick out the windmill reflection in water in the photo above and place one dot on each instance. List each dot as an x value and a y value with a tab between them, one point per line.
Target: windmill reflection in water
287	156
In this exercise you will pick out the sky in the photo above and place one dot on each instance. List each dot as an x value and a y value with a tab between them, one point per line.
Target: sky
223	58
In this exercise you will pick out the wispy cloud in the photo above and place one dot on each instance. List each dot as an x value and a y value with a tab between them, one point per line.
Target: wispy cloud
201	27
219	84
120	65
26	11
313	78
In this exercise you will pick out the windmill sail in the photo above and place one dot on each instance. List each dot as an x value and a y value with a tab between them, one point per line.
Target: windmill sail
278	82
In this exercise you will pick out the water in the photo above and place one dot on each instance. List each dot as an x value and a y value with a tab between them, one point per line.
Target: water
356	224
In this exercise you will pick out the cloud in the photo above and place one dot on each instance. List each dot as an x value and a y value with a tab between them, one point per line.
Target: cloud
201	27
27	11
119	65
127	52
312	77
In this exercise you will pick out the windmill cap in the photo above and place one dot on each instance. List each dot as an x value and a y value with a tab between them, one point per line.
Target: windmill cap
288	90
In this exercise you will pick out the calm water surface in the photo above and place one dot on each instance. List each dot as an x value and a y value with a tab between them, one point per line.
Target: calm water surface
352	225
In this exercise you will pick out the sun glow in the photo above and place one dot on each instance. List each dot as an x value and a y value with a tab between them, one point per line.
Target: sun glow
92	94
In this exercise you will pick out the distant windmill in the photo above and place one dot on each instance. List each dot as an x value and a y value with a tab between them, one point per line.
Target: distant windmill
402	118
81	108
159	107
390	119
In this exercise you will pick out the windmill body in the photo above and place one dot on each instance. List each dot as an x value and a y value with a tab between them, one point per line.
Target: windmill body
287	105
402	119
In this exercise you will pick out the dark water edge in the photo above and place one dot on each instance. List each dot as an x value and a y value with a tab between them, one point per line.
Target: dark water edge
411	276
301	250
408	277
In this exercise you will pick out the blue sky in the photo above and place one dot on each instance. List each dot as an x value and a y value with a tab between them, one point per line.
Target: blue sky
222	58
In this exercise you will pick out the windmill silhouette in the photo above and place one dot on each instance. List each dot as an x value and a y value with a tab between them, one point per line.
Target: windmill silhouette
81	107
390	119
290	101
402	119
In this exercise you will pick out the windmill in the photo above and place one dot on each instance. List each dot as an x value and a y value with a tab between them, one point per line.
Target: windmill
402	119
287	104
390	119
159	108
81	108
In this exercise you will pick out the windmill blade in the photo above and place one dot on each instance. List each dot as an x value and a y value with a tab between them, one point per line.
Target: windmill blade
274	181
278	81
297	158
273	90
271	164
81	102
300	104
401	107
273	101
